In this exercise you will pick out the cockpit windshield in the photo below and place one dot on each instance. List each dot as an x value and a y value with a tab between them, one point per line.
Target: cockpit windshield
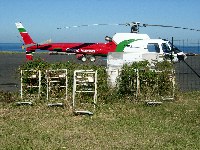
166	48
175	49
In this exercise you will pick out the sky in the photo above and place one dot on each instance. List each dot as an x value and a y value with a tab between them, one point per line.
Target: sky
41	18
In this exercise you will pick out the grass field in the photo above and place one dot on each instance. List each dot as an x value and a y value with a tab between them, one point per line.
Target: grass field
117	125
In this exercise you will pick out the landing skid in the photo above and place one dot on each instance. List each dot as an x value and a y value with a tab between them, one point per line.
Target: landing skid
83	112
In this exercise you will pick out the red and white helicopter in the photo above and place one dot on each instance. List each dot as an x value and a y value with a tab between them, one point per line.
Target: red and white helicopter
82	50
120	42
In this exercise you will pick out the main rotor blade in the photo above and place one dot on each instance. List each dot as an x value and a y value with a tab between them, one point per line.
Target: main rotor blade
129	24
157	25
88	25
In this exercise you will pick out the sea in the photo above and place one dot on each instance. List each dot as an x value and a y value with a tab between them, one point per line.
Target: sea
17	47
11	47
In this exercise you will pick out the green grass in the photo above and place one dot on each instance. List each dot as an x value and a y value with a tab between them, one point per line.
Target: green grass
117	125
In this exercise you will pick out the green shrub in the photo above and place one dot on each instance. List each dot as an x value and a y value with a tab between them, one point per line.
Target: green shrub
136	81
140	81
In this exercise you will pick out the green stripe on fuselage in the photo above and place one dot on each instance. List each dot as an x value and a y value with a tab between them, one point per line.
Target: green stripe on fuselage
21	30
123	44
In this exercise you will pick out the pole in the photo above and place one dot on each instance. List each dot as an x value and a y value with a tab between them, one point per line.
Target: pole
172	48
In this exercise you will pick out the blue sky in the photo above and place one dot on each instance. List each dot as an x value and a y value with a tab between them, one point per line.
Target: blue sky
42	17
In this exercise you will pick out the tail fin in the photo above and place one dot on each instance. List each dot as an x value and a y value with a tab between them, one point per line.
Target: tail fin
27	40
24	34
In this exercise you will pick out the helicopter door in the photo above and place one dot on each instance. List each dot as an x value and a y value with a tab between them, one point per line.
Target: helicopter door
153	47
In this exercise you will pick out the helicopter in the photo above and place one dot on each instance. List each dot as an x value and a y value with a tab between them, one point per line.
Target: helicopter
120	42
81	50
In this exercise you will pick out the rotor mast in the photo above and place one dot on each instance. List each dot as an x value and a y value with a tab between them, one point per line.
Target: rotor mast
134	27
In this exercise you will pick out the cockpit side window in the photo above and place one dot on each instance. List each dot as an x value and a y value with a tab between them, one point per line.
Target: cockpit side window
153	47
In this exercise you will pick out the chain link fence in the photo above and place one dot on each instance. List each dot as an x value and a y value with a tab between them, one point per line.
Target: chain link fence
188	74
